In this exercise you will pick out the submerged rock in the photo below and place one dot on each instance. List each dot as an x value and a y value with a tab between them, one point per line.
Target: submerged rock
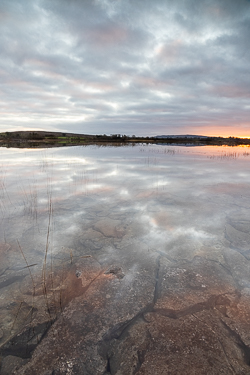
155	319
10	364
110	228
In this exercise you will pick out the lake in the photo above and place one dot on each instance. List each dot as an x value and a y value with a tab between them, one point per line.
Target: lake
125	260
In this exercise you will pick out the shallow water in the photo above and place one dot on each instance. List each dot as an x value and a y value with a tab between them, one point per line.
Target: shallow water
168	225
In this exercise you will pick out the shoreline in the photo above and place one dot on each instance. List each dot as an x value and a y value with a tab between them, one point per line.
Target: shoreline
39	139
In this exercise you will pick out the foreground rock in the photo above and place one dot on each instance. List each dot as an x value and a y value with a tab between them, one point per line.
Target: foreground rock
147	317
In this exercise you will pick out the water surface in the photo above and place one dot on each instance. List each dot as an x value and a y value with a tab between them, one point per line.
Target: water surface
132	235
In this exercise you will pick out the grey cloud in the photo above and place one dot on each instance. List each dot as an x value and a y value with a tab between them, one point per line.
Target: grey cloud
135	65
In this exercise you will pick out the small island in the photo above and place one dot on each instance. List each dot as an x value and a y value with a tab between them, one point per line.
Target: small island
40	139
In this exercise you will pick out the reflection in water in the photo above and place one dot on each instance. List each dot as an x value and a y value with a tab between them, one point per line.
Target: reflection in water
141	232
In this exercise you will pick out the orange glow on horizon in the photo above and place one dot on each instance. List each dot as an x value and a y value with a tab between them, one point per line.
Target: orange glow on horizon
220	131
226	134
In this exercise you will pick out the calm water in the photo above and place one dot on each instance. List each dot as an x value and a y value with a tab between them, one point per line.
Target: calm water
117	207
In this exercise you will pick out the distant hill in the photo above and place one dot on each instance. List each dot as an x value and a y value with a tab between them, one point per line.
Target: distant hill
183	136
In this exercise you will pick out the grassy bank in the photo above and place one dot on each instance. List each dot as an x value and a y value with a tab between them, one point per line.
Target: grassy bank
23	139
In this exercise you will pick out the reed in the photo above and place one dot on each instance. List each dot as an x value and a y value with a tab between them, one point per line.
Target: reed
44	271
28	266
30	312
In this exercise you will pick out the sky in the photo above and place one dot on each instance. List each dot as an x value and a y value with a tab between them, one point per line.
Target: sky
138	67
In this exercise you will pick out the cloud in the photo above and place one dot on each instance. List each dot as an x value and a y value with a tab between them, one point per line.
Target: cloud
124	66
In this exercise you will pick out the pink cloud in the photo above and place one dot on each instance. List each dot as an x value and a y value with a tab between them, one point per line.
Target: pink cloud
169	52
107	35
231	91
152	82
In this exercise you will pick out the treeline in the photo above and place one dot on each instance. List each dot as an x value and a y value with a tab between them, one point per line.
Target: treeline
40	138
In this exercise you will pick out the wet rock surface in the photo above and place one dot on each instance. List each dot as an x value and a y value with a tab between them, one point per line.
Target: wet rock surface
155	318
11	363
